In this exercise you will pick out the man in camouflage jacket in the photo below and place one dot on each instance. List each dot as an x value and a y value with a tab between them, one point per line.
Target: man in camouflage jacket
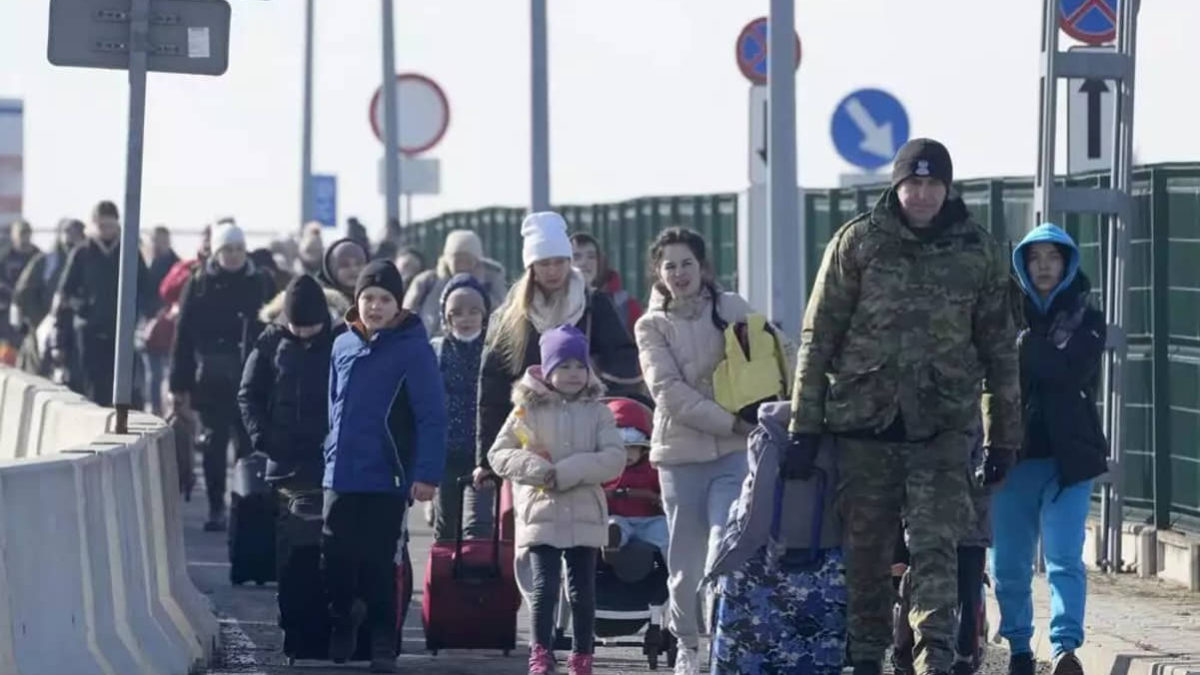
908	317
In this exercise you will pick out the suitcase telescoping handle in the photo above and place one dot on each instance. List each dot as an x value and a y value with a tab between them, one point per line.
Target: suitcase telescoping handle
818	510
466	483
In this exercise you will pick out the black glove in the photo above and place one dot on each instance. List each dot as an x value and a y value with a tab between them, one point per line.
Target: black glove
997	463
800	456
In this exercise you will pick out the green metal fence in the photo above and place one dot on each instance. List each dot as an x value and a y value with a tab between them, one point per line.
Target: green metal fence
1162	394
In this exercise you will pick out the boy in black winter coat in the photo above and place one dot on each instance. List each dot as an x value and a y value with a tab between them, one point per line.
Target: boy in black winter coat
285	389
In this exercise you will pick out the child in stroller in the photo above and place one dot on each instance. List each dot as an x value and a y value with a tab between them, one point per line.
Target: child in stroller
631	577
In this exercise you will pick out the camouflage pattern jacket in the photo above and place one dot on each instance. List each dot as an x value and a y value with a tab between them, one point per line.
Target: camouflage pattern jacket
908	325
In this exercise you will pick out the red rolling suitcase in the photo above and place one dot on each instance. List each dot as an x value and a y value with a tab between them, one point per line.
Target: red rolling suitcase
471	598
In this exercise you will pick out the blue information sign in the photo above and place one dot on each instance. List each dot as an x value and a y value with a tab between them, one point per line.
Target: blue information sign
324	191
868	127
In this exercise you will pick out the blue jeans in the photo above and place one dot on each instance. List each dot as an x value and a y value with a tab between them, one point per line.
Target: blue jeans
650	529
1030	502
696	498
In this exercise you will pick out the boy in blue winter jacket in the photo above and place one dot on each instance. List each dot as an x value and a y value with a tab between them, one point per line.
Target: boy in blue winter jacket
386	443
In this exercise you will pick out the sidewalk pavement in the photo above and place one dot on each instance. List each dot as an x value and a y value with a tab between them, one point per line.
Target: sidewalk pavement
1133	626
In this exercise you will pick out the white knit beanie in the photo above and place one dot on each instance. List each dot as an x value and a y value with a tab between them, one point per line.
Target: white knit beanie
462	241
227	234
545	235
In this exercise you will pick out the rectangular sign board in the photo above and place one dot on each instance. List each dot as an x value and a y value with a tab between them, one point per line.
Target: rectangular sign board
1091	113
12	159
186	36
418	176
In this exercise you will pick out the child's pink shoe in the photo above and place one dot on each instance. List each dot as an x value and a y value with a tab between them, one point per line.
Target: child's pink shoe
580	664
541	661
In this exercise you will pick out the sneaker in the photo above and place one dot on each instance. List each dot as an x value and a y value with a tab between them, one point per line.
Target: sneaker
343	639
1021	664
383	651
687	662
580	664
541	661
1067	663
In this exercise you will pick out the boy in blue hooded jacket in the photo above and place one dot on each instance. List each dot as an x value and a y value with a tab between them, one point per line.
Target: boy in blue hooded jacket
1048	490
386	443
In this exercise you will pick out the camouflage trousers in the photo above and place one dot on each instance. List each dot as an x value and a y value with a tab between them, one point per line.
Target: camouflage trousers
925	484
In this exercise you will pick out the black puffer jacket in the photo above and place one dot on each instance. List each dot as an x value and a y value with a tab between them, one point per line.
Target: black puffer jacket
218	324
284	399
613	353
1060	367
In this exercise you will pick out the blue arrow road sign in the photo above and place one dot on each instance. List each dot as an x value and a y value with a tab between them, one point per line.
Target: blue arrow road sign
324	191
868	127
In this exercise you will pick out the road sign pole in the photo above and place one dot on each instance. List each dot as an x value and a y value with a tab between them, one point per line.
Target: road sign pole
127	284
391	126
788	257
540	108
306	190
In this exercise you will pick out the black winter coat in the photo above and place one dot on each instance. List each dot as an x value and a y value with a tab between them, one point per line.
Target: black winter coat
1060	355
218	324
284	401
89	295
613	353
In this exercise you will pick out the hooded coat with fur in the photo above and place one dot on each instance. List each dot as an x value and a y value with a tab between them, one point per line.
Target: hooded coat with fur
585	451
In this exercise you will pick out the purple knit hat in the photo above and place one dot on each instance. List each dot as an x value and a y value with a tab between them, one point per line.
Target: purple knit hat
562	344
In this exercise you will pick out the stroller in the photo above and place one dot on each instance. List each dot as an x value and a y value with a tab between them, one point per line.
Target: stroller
631	596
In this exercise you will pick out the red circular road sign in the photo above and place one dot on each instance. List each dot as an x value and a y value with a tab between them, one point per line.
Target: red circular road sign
750	50
423	109
1092	22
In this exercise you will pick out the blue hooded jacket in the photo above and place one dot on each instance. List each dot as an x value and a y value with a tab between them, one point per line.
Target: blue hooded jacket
1061	351
1053	234
387	411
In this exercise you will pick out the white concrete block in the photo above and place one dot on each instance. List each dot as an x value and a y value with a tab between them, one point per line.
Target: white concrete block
168	524
1179	558
46	570
58	419
156	635
14	412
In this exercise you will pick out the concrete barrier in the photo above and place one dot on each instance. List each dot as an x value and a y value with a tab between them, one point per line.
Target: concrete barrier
93	576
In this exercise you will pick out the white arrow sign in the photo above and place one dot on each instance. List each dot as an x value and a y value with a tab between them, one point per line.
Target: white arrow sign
877	138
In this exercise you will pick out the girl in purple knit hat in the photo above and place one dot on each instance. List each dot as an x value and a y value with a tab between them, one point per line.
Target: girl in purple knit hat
558	447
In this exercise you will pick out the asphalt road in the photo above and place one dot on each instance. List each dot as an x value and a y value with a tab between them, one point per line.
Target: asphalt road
251	641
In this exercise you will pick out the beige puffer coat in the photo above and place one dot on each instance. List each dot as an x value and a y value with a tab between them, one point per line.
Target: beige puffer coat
679	349
585	452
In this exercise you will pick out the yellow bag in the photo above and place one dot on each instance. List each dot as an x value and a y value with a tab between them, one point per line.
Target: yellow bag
752	371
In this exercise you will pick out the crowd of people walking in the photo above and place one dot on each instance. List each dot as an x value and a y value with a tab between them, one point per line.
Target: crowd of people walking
940	397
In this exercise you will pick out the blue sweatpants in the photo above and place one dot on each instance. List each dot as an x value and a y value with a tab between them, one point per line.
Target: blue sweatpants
1029	502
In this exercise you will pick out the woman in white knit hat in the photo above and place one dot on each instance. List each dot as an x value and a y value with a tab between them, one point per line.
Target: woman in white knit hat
550	294
462	253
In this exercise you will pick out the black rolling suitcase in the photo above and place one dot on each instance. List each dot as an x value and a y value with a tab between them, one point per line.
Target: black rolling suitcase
252	516
303	604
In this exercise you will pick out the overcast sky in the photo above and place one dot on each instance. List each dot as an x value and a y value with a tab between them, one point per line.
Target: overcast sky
645	99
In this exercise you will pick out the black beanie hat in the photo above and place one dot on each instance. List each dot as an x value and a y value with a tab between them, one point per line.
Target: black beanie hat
381	273
923	157
304	302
